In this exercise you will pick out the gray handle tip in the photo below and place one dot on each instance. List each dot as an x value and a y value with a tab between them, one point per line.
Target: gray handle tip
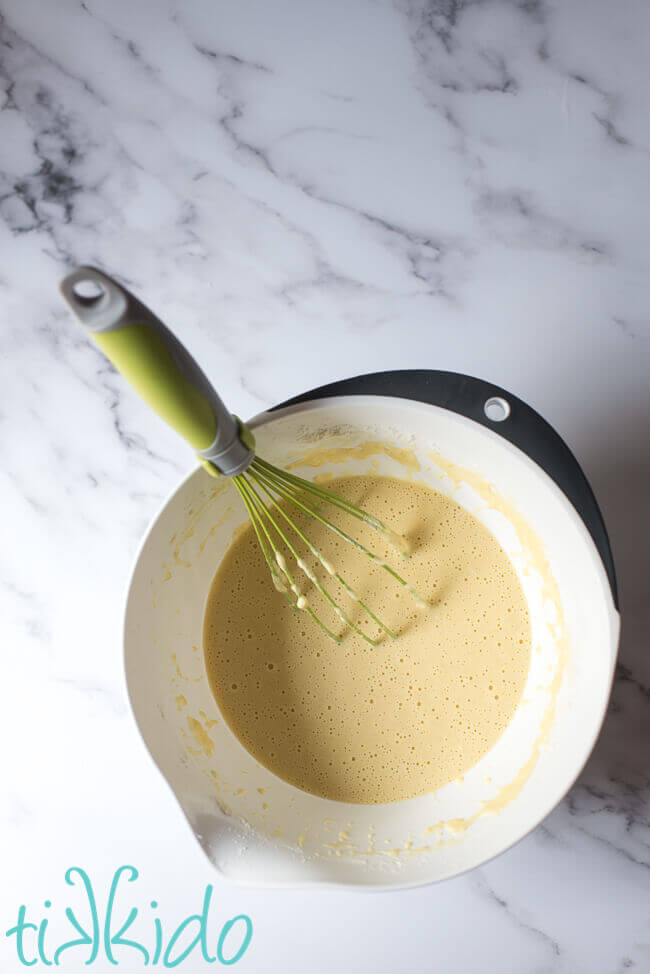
96	299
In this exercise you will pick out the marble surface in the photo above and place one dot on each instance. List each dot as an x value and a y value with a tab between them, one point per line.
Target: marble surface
305	191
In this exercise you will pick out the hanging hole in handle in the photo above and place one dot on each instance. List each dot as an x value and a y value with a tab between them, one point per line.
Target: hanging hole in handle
497	409
88	292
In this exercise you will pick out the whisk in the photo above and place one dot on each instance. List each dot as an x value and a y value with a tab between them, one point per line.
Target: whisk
169	380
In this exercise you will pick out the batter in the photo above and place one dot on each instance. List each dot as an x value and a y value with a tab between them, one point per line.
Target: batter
360	724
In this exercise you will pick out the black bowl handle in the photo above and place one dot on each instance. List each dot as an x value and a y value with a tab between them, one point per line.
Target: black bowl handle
522	427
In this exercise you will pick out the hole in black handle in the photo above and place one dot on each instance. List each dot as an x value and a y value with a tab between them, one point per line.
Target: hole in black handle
497	409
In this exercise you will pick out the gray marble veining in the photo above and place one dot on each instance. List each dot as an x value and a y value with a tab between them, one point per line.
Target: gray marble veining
307	191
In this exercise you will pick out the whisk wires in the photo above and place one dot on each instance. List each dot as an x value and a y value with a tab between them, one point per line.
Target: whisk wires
267	492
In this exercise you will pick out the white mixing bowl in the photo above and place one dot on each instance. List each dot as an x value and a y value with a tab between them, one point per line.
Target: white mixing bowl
519	478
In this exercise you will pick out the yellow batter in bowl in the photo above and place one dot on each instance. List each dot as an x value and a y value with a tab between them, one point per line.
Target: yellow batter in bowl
369	725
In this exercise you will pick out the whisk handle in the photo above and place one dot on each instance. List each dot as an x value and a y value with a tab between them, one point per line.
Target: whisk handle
159	368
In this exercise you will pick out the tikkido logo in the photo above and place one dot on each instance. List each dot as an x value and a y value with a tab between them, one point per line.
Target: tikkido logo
104	937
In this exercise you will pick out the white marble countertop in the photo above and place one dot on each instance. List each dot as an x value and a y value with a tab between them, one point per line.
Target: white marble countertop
307	191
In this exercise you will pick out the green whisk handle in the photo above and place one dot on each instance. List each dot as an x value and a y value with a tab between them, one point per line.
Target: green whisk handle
159	368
